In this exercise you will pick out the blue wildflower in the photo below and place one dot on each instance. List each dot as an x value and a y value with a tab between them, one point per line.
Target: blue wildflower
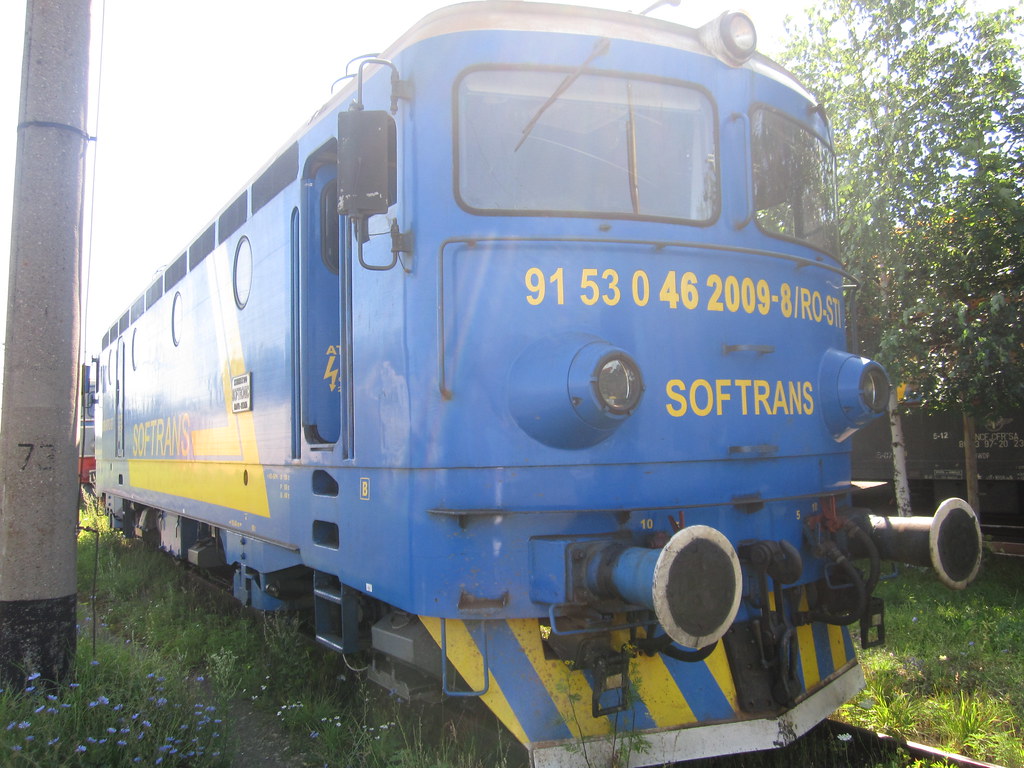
33	676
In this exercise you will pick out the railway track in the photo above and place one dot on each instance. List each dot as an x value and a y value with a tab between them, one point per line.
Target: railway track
871	743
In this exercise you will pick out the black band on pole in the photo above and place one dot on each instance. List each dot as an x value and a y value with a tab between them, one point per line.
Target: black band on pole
33	637
61	126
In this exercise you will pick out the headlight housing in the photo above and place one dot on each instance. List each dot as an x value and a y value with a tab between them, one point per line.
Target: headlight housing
731	37
854	390
573	390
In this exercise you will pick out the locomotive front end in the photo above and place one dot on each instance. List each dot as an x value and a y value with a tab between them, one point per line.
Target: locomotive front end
641	355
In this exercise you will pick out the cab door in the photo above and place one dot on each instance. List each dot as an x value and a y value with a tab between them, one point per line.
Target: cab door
324	349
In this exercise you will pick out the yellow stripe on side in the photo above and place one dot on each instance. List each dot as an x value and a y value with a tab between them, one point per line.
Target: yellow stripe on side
660	692
718	663
239	485
569	691
837	643
468	660
808	653
213	483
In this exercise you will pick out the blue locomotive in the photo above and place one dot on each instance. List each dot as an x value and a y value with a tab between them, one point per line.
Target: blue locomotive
522	366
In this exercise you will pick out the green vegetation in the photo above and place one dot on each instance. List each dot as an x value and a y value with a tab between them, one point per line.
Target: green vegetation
949	674
925	100
182	676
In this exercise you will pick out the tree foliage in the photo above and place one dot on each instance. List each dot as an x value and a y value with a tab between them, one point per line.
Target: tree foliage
927	106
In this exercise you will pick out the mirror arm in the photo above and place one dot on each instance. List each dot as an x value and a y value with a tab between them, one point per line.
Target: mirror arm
359	235
400	89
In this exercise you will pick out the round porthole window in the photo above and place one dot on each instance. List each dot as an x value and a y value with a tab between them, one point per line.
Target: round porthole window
177	319
243	272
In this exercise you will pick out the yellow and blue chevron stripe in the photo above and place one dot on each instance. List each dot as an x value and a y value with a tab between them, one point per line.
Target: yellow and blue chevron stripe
541	699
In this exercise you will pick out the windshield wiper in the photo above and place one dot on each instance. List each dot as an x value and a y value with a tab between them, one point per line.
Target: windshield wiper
634	180
600	48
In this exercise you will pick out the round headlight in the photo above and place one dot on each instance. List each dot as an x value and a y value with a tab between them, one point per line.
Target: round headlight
731	37
573	390
739	35
874	389
617	383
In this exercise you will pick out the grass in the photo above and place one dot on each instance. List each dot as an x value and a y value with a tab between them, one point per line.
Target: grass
180	676
177	673
950	673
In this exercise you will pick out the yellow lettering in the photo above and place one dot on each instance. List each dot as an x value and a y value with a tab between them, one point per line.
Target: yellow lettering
808	398
743	384
185	437
761	392
676	391
720	396
796	405
770	398
709	404
780	398
159	437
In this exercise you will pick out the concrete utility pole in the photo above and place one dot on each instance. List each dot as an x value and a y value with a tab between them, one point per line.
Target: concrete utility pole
38	479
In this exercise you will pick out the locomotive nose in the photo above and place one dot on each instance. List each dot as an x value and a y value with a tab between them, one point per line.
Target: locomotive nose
694	584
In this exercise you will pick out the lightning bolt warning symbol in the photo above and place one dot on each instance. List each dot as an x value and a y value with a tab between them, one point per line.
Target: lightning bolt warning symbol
332	372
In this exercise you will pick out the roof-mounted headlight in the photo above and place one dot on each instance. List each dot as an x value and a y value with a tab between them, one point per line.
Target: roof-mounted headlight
731	37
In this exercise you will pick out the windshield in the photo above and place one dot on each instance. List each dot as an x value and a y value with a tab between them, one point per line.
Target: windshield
607	146
794	181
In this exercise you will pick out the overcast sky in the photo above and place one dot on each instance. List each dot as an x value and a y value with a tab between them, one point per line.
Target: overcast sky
197	94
